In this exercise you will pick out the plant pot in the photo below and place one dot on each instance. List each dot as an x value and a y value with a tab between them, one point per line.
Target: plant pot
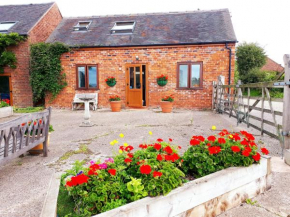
115	106
111	83
161	83
166	106
39	148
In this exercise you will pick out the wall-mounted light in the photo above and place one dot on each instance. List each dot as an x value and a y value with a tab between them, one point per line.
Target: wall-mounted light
137	58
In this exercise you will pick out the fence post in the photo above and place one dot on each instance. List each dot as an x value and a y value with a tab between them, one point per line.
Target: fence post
286	110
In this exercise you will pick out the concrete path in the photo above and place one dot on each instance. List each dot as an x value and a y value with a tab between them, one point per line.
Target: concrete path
24	181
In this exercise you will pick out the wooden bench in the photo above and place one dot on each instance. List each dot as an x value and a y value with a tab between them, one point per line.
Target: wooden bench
77	102
14	139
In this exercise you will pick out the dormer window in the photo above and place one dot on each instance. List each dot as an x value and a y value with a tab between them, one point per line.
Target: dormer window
5	26
82	26
123	27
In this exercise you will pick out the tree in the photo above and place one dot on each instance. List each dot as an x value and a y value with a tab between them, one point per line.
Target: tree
250	58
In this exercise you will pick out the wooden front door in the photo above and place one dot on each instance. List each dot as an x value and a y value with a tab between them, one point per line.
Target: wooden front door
134	85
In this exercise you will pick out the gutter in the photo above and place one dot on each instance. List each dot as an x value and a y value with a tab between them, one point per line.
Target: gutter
230	62
151	45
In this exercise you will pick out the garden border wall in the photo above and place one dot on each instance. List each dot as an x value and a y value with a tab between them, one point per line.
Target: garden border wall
6	111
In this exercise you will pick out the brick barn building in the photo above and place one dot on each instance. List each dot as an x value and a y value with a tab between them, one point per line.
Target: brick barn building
191	48
36	22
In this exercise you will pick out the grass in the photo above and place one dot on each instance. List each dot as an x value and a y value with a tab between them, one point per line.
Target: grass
83	149
65	203
28	109
274	93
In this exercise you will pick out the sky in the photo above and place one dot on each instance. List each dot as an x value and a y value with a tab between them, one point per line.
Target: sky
265	22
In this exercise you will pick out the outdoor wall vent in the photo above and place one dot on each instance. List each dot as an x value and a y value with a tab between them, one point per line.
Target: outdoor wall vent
82	26
5	26
123	27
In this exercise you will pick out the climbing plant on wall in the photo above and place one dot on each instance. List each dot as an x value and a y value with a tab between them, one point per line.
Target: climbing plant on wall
46	72
7	57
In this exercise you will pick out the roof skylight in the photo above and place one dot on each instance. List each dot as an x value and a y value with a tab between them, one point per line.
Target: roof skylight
123	27
5	26
82	26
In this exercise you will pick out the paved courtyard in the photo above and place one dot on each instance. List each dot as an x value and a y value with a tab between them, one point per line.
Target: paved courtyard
24	181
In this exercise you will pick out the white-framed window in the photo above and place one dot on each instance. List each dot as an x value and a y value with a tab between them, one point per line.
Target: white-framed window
82	26
5	26
123	27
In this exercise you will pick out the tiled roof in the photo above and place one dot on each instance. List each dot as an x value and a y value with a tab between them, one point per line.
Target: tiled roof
26	16
150	29
271	65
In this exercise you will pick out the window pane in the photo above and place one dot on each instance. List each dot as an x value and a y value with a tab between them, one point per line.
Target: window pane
183	75
82	77
131	77
138	78
195	75
92	76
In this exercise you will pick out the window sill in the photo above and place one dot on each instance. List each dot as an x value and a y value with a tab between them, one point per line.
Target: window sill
87	89
197	88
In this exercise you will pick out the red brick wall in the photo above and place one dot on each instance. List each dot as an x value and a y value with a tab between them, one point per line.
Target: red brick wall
159	60
22	93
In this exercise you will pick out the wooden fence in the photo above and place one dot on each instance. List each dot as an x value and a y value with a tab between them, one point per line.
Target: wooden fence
236	101
24	133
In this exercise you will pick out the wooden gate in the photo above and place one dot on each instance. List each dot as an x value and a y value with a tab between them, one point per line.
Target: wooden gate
236	101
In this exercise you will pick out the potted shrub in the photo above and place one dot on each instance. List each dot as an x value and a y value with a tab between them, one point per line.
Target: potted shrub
111	81
115	102
166	104
5	108
162	80
39	148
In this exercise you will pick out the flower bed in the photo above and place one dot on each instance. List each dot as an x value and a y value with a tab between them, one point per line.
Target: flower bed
156	169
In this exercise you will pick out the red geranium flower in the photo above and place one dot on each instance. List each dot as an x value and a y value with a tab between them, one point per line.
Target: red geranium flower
145	169
130	155
246	153
23	124
95	167
157	146
248	149
170	140
112	172
236	137
92	172
143	146
214	149
168	149
256	157
208	144
235	149
201	138
252	144
194	142
168	157
174	157
159	140
157	174
221	141
211	138
179	147
129	148
265	151
244	142
127	160
159	157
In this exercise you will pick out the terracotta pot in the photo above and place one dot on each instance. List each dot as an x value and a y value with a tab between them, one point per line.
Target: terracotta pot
166	106
39	148
116	106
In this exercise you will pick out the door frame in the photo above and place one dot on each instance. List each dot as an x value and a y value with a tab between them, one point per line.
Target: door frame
146	83
10	86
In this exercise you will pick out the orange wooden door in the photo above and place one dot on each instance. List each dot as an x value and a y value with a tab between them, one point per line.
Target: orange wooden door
134	85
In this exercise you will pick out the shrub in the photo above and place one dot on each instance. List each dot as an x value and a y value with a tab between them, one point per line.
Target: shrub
215	153
114	98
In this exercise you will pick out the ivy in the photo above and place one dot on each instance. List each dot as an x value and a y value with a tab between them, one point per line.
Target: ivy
46	75
8	58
